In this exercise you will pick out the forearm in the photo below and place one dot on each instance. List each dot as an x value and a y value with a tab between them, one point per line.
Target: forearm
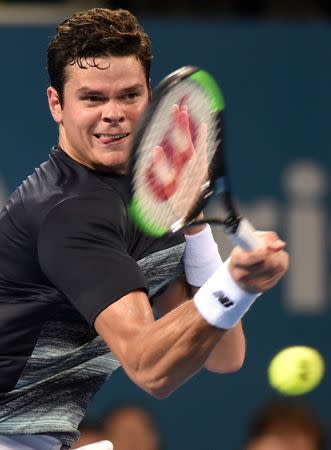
171	350
161	355
201	259
229	353
253	272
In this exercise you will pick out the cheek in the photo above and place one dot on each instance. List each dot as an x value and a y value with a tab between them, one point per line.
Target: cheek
83	121
138	111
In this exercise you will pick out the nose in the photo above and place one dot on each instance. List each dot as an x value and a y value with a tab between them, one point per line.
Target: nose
113	113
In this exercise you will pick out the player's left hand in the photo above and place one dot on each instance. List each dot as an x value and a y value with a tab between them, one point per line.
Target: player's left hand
259	270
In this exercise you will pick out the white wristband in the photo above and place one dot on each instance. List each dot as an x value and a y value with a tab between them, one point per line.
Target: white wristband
201	257
221	302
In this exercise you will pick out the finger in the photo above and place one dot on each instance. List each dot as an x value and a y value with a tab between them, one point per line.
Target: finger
264	276
266	234
277	245
274	264
278	262
271	240
242	258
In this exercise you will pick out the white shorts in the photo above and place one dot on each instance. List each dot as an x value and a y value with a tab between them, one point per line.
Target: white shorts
43	442
29	442
100	445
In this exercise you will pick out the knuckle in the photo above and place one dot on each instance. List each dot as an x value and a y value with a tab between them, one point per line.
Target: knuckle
268	236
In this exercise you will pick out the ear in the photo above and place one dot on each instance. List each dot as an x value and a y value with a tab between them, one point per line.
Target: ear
54	104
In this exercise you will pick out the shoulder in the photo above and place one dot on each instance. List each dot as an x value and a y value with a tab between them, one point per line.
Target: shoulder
97	212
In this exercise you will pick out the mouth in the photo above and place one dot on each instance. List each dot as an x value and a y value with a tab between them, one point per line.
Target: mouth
107	138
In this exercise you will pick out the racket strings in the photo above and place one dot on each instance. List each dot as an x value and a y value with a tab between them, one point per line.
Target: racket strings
186	185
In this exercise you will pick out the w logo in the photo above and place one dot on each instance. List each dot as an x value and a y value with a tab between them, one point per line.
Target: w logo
226	302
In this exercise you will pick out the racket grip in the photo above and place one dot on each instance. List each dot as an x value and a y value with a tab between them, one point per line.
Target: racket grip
245	236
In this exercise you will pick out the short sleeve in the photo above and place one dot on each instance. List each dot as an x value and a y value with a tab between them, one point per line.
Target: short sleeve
82	249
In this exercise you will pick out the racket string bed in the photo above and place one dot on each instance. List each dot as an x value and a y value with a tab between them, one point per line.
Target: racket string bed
178	161
179	205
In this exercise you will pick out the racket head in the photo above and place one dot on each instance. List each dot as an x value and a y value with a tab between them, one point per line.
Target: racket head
159	207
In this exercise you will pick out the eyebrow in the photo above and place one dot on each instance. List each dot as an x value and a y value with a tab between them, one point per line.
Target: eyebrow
133	87
87	90
91	91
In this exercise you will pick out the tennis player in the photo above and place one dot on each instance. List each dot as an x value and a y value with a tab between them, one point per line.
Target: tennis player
78	281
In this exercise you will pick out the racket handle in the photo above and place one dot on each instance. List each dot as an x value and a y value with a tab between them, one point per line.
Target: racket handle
244	236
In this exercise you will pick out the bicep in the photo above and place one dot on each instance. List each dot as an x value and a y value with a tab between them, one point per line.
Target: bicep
122	322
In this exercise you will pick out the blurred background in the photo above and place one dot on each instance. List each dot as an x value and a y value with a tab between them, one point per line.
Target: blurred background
273	60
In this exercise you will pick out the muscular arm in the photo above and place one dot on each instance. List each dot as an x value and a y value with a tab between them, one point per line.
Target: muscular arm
229	352
160	355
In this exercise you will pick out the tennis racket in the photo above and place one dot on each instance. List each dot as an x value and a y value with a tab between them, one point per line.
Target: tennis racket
178	163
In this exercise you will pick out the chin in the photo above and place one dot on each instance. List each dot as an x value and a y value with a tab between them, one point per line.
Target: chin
116	166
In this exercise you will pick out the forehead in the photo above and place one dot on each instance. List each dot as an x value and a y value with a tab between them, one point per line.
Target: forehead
116	72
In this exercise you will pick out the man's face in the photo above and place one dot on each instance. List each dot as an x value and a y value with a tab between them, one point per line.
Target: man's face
100	111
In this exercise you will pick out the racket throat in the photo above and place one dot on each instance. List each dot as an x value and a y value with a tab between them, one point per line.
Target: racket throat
178	225
231	224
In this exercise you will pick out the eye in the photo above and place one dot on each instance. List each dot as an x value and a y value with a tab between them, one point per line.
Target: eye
92	98
130	96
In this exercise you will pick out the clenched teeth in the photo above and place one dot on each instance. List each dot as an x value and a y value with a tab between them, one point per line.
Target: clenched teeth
111	136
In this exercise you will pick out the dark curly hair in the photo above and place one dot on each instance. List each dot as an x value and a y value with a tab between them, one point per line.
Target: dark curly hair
93	33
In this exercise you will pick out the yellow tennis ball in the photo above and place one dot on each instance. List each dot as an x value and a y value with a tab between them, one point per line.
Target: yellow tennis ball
296	370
